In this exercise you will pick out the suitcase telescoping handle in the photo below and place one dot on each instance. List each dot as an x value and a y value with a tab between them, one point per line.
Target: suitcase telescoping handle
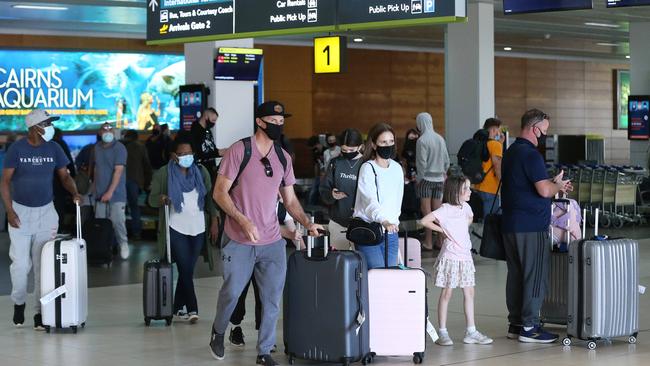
310	243
167	238
78	222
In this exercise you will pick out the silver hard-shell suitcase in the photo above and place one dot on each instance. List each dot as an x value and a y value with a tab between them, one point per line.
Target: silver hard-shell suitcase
604	283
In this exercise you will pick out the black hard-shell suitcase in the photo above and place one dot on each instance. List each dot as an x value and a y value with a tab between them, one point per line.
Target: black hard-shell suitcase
100	237
326	307
157	290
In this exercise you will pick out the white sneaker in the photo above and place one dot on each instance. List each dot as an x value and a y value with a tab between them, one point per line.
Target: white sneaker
181	316
193	317
444	340
124	251
477	338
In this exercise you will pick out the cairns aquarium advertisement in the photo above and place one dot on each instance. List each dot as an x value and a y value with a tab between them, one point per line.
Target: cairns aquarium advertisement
131	91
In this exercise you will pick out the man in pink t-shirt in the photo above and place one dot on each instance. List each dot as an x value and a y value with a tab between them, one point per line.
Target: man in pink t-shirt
249	199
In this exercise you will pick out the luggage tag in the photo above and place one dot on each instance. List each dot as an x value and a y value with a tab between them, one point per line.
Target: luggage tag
642	290
361	318
53	295
431	330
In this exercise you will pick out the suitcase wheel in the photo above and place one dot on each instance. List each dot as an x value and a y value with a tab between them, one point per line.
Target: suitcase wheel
418	358
74	330
291	360
147	321
366	360
168	321
83	325
346	363
566	341
591	345
632	340
47	330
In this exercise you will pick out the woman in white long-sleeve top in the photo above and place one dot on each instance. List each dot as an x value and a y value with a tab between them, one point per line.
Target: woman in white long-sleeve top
379	193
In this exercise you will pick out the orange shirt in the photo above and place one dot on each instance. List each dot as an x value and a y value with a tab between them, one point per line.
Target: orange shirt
491	183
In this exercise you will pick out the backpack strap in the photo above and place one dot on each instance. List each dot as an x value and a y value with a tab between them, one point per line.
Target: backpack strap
283	159
247	157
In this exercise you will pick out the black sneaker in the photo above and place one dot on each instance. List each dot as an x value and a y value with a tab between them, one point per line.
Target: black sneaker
236	337
513	331
216	345
19	315
266	360
38	323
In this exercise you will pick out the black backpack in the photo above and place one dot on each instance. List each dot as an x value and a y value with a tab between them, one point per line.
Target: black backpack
247	157
471	156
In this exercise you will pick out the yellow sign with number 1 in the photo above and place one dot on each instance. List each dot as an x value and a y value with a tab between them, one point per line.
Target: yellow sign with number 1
330	55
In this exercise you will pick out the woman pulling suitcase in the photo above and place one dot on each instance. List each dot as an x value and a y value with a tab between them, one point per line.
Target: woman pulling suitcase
187	187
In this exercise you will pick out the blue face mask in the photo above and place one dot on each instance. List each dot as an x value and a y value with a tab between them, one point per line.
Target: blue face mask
48	133
108	138
186	161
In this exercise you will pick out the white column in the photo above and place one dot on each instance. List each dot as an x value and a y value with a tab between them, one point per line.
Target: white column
234	100
639	80
469	74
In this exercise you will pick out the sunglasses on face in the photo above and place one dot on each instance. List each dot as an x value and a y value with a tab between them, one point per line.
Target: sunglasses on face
268	170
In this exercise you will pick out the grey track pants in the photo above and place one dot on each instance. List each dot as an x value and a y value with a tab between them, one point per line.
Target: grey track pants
528	258
270	265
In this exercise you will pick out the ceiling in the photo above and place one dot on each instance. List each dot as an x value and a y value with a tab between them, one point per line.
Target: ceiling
561	34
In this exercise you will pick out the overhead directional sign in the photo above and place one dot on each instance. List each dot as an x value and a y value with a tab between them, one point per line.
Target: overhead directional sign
179	21
367	14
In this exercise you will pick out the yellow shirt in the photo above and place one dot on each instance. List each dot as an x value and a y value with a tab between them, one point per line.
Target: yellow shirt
491	183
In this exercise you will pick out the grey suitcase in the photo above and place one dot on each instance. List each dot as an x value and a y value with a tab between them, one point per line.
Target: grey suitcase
604	283
326	307
555	307
157	289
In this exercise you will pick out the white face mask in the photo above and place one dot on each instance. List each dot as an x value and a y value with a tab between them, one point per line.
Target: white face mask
48	133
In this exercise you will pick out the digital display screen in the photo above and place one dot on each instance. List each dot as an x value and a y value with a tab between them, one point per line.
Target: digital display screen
238	64
624	3
77	142
638	112
86	89
192	104
535	6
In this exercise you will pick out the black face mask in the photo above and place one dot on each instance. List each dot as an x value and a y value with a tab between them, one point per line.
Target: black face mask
273	131
350	155
386	152
542	137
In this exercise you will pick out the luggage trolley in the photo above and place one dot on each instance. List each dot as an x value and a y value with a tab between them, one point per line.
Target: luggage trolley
625	197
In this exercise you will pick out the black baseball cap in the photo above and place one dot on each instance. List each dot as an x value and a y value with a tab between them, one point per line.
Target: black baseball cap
271	108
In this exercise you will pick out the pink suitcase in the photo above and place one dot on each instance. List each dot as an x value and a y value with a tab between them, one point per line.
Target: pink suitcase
413	252
397	312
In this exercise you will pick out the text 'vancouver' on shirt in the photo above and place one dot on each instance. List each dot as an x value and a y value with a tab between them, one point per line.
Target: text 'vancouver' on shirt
524	210
35	168
255	194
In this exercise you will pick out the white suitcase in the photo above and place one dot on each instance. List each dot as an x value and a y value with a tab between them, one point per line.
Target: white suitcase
397	312
413	251
64	283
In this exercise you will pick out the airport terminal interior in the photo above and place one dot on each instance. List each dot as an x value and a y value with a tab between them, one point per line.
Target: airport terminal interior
147	72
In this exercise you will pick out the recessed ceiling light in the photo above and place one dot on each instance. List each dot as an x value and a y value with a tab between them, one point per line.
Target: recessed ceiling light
605	25
628	56
607	44
39	7
507	48
358	39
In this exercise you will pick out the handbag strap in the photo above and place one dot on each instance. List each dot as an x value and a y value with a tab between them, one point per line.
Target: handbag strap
494	201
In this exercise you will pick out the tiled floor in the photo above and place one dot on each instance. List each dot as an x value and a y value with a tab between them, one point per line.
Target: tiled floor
116	335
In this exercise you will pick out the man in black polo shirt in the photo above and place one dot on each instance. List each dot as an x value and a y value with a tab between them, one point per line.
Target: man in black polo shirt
526	203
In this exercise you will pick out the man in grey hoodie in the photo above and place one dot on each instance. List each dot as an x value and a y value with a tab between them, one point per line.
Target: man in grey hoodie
432	162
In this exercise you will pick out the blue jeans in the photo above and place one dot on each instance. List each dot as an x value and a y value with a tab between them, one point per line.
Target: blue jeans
374	255
132	194
185	252
488	200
